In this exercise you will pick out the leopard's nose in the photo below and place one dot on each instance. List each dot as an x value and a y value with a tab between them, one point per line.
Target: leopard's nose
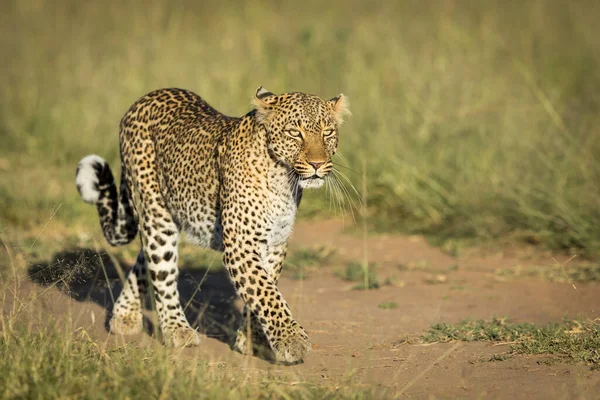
316	165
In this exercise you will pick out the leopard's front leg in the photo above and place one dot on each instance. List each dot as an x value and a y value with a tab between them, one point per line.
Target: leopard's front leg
242	257
250	338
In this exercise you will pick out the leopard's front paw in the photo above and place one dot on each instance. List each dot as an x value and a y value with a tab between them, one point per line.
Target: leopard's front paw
183	336
242	344
257	345
126	323
292	346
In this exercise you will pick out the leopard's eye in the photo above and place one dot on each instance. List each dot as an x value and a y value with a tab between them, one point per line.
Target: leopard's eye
328	132
293	133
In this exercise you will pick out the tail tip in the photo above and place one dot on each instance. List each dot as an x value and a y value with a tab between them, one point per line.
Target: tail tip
87	178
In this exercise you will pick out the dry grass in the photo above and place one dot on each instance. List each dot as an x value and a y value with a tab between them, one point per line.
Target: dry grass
57	363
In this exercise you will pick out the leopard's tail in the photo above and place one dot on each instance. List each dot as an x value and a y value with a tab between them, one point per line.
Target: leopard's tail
96	185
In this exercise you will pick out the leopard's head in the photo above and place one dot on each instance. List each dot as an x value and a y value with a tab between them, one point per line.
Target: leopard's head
302	131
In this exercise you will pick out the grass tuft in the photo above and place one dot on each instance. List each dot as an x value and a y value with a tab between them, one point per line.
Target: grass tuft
390	305
577	341
355	272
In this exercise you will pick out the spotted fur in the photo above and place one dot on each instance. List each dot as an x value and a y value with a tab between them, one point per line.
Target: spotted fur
232	184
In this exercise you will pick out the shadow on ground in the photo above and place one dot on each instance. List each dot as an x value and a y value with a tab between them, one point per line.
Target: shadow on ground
86	275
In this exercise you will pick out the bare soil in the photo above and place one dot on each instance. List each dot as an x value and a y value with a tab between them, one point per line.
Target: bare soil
355	342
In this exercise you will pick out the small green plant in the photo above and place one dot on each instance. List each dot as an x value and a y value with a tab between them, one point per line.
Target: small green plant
355	272
390	305
577	341
499	357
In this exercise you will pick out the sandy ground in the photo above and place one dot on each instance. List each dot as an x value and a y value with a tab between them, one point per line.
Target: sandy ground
357	342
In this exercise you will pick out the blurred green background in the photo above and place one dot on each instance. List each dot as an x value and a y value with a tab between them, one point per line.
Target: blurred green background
472	120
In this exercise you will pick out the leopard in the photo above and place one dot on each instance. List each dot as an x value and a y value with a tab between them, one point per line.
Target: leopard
231	184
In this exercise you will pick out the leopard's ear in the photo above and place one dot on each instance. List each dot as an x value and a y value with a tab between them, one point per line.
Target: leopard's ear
264	102
341	107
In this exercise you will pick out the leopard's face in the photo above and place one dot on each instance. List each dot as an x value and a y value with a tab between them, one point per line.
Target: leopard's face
302	132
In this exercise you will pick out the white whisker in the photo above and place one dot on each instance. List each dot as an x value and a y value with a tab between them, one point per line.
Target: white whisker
346	194
358	195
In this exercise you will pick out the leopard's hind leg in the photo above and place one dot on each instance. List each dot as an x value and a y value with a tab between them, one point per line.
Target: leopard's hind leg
160	236
127	311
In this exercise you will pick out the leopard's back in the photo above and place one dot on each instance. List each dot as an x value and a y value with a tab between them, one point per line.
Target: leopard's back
169	141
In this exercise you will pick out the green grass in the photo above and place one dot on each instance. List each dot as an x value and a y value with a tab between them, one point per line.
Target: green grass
476	120
577	341
390	305
54	363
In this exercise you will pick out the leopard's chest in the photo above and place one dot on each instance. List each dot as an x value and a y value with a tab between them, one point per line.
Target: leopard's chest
281	211
282	215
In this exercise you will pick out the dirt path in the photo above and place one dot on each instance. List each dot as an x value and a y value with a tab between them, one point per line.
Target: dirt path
357	341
